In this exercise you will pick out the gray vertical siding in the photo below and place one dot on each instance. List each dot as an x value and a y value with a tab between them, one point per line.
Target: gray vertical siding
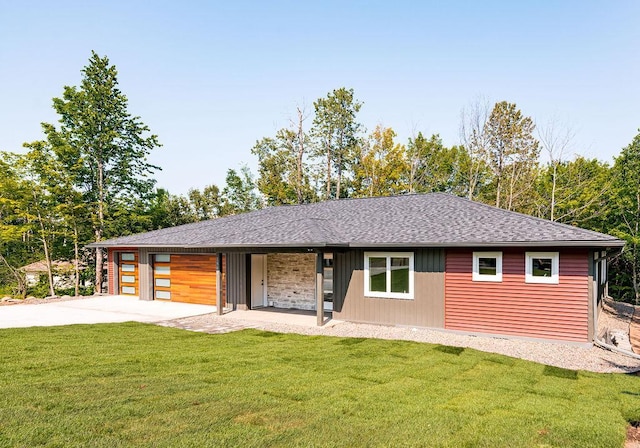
145	278
425	310
237	280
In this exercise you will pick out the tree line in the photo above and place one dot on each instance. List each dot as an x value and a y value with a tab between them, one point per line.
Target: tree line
89	179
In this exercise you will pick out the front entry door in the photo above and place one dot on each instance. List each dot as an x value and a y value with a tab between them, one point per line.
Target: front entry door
258	281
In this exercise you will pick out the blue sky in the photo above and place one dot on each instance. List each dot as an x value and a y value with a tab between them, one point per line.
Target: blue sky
211	78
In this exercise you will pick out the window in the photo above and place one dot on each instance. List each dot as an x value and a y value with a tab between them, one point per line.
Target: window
487	267
542	267
163	270
128	290
128	268
165	295
388	275
163	258
127	256
128	279
163	282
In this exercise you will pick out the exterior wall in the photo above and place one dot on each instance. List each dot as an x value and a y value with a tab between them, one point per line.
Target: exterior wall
291	280
513	307
145	266
238	280
112	267
425	310
146	270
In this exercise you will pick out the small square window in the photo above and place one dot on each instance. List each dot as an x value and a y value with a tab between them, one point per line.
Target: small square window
487	267
542	267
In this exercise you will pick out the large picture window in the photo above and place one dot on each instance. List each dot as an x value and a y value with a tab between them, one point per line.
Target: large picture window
487	267
542	267
388	275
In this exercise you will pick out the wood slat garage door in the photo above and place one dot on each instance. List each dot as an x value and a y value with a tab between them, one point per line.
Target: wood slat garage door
128	273
185	278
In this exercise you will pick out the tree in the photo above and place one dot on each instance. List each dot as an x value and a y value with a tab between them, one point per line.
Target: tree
555	142
206	203
335	131
382	165
14	227
625	212
239	194
513	154
574	192
106	148
168	210
434	167
475	142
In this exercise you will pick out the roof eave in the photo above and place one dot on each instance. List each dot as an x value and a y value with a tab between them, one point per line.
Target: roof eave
573	243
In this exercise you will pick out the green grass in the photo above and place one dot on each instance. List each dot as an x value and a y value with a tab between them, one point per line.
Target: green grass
142	385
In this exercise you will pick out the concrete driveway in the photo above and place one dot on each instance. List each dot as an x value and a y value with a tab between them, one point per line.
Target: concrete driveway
97	310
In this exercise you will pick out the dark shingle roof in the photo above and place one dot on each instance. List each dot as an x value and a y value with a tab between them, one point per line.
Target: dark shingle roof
435	219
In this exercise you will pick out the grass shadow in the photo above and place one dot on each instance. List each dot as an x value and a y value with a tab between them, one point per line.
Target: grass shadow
559	372
450	350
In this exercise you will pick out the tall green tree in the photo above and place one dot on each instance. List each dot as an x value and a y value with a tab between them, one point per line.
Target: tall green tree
574	192
15	247
434	167
106	147
335	131
205	204
382	165
513	154
239	194
625	216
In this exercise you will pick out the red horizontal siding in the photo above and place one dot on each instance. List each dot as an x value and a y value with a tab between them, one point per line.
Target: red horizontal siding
110	274
513	307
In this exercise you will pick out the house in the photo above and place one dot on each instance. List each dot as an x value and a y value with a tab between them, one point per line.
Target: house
63	273
425	260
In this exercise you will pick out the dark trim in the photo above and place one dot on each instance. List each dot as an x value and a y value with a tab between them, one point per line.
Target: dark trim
312	247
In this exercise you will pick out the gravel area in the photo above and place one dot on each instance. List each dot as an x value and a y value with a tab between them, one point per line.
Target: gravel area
7	301
573	357
615	316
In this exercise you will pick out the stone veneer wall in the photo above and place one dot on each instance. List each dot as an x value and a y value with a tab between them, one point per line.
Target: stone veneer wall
291	281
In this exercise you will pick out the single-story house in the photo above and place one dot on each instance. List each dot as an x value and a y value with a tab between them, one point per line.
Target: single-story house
63	273
421	260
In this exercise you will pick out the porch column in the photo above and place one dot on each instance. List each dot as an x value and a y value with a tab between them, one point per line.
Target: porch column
219	304
320	288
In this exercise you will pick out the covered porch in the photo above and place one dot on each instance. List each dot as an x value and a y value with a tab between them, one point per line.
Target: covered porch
275	283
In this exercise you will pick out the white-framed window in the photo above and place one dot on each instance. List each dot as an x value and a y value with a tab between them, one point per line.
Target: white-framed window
487	267
388	275
542	267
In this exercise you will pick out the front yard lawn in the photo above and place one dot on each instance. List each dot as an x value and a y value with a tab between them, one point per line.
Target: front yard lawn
144	385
